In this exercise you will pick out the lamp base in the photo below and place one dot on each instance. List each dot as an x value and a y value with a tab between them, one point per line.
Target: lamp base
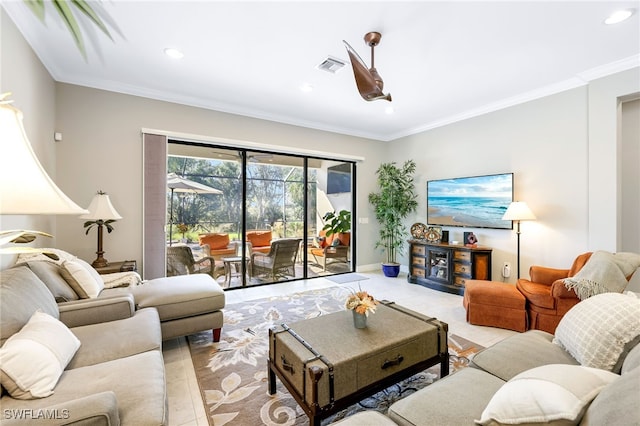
100	262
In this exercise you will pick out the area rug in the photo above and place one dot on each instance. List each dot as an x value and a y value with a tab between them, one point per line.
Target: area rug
232	374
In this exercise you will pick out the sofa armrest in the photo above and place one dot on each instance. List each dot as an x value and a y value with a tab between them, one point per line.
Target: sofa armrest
560	291
92	311
99	409
544	275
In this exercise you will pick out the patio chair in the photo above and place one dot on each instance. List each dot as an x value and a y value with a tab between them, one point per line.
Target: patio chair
279	262
180	261
330	250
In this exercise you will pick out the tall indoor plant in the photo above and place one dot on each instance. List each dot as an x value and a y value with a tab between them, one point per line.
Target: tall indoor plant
395	200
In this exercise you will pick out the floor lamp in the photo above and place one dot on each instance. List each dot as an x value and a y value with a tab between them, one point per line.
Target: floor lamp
518	211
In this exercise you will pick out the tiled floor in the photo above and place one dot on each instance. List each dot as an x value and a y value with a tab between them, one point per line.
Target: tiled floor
185	403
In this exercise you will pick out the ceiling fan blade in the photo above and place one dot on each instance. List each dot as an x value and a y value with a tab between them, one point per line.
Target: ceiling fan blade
368	81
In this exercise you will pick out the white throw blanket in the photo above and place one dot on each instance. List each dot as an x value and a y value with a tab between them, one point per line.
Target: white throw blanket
604	272
121	279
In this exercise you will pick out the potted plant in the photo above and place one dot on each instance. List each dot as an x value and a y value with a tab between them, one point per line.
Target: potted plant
337	223
395	200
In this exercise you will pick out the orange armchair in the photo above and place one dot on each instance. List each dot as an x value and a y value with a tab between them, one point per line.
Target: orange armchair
547	297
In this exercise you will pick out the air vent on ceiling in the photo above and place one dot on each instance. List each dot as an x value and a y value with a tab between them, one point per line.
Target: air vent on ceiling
332	65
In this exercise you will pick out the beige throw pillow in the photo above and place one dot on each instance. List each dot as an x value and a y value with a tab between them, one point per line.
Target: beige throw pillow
551	394
84	280
33	359
596	331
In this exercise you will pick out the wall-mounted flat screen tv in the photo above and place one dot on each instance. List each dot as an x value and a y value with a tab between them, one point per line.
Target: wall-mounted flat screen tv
339	179
473	202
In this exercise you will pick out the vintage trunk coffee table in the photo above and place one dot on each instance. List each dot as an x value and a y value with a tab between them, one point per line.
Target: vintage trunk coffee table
327	364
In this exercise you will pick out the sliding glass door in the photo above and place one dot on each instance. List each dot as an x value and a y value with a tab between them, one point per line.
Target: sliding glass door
260	215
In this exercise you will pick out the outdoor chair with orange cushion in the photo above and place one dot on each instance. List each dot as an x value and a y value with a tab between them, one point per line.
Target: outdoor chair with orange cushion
279	262
329	249
260	241
216	245
547	297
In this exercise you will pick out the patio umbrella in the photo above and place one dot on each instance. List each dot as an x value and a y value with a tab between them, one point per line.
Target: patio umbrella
179	184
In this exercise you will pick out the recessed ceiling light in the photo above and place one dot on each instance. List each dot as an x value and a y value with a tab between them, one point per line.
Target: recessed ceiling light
173	53
389	110
306	87
619	16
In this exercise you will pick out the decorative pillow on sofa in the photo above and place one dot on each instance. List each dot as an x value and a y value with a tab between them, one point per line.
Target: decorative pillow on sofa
550	394
51	275
32	360
596	331
84	280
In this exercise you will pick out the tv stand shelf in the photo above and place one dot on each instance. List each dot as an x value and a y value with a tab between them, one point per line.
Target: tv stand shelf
446	267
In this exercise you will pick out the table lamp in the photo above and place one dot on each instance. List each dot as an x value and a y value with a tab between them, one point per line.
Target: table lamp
101	213
518	211
25	186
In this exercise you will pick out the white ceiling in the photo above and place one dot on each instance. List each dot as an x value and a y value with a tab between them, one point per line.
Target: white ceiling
441	61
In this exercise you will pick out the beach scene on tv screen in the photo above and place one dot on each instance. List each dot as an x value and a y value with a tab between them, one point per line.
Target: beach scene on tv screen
474	202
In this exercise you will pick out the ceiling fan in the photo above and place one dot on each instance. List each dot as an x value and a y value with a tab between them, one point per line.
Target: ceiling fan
368	80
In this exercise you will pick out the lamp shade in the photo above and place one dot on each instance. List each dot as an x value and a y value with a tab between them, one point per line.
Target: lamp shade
101	208
518	210
25	187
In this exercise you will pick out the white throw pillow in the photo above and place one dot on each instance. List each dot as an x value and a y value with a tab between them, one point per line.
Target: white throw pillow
596	330
555	393
84	280
33	359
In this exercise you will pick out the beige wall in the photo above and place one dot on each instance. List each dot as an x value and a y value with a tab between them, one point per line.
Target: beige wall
563	150
101	149
544	143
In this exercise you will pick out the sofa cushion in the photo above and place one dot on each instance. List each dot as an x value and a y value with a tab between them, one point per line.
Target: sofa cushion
15	308
457	399
84	280
137	381
181	296
596	330
550	394
50	274
111	340
632	360
32	360
616	404
521	352
216	241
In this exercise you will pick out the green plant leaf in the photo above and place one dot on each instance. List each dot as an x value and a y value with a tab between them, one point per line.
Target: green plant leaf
89	12
66	14
37	7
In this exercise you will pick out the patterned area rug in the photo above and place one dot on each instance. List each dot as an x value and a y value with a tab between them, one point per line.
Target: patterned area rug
232	374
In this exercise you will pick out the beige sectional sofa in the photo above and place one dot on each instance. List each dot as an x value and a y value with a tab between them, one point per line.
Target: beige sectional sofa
594	363
186	304
114	375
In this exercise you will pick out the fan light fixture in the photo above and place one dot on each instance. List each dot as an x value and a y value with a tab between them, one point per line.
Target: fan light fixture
369	82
